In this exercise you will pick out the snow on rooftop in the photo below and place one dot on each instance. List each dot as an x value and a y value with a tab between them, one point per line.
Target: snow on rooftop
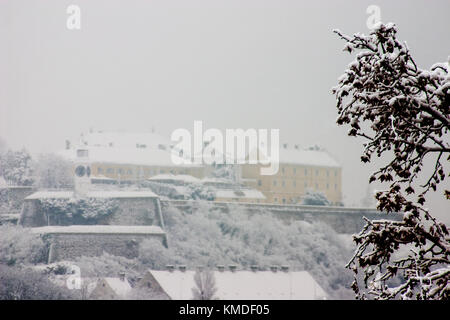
121	287
129	156
307	157
244	285
124	139
106	229
301	156
91	194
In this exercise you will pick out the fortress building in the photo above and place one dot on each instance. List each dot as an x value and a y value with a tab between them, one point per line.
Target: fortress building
130	157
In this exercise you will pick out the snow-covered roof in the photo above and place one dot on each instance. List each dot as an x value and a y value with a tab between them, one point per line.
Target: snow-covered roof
175	177
239	193
124	139
128	156
91	194
98	229
244	285
121	287
307	157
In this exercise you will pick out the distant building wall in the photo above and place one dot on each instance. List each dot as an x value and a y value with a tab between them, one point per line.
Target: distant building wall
341	219
292	180
63	246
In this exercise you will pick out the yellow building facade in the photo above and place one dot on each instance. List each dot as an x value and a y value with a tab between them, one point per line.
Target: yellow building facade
289	185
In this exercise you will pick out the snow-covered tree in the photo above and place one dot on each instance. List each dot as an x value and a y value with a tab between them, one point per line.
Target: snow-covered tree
15	167
403	113
19	246
53	172
28	284
315	198
205	285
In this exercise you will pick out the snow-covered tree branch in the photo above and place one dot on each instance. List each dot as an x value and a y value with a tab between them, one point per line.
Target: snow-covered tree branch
403	113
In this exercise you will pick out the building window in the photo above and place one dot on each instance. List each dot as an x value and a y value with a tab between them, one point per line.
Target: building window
283	183
317	186
99	170
295	170
259	182
335	173
120	171
317	172
328	186
282	170
328	173
294	183
284	200
274	182
110	170
335	186
306	184
275	200
306	172
130	171
82	153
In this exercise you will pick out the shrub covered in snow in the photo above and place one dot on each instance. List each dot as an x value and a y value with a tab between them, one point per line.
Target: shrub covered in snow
27	284
78	211
315	198
19	246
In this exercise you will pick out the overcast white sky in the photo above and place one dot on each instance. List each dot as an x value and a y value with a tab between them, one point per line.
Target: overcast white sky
135	65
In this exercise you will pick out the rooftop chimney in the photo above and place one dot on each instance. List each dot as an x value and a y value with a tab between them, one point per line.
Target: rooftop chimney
232	267
170	267
285	268
274	268
182	268
122	276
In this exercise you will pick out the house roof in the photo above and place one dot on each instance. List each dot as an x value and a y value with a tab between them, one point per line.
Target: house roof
124	139
121	287
97	229
91	194
128	156
301	156
244	285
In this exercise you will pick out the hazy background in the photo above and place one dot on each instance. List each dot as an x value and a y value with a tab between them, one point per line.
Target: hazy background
135	65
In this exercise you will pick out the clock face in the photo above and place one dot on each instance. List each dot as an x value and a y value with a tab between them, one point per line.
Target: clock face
80	171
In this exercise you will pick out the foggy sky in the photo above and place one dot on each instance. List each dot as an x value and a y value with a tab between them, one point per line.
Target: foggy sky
135	65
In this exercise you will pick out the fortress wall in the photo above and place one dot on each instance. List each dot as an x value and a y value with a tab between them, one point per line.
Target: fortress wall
341	219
